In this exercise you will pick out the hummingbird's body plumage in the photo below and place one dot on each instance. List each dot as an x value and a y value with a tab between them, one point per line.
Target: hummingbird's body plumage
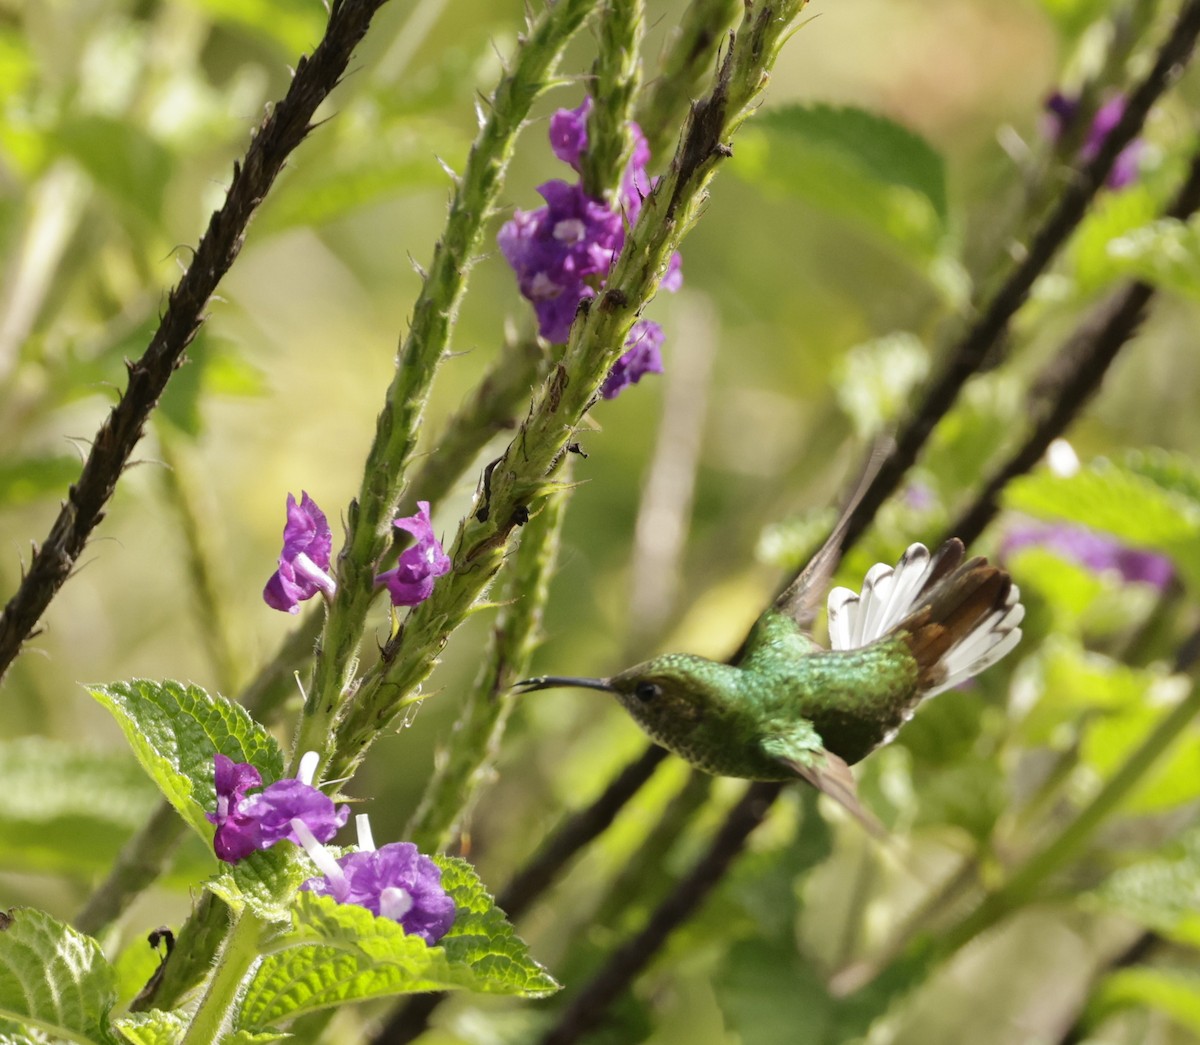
787	707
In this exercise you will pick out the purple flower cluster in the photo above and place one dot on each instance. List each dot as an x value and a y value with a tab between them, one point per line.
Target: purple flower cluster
396	882
412	579
562	252
305	559
1062	111
246	824
1094	551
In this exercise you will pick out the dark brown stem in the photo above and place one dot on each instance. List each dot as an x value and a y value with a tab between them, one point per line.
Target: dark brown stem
411	1021
627	961
1074	375
968	356
287	126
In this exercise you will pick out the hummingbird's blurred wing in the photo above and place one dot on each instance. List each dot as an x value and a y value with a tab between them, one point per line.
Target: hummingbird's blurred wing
801	600
824	770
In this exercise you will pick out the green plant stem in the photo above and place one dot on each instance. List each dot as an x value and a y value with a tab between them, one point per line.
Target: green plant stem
1024	884
524	473
685	63
489	409
209	610
237	956
615	77
466	762
369	518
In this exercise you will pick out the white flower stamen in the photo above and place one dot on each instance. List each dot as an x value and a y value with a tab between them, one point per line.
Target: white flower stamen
308	767
366	842
395	903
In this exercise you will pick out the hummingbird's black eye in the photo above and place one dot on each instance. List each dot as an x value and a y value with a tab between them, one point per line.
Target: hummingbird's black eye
647	691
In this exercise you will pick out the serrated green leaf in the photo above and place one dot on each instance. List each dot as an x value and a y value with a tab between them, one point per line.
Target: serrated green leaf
348	954
152	1028
855	164
483	938
168	1028
1175	472
1162	892
174	731
1118	501
54	978
66	808
262	879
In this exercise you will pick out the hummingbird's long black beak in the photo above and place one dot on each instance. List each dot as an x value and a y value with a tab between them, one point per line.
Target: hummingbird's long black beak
553	681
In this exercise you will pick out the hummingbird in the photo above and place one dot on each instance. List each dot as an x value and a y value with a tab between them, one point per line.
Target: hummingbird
785	707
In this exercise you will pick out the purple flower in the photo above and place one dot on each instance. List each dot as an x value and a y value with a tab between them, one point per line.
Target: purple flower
568	133
1094	551
412	580
1063	110
562	252
396	882
246	824
557	249
643	356
304	561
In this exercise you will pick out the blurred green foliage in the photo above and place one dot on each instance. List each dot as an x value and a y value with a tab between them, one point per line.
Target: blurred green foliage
856	223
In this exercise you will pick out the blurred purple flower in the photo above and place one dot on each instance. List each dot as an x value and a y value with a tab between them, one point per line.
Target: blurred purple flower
412	579
246	824
395	882
568	133
643	356
1095	551
1062	111
304	561
562	252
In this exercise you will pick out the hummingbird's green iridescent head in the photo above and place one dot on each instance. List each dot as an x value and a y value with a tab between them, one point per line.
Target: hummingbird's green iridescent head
673	698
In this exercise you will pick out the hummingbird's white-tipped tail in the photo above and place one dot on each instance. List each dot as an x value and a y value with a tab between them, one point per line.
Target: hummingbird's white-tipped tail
958	617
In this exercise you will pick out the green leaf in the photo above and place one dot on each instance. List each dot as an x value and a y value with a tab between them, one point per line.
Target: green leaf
1109	741
1162	892
344	953
264	881
482	937
122	159
854	164
874	380
168	1028
1173	992
1165	253
212	368
175	730
1117	500
1115	216
297	28
1075	687
152	1028
53	978
26	479
67	809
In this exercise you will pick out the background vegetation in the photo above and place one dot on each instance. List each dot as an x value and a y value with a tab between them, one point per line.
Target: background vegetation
899	168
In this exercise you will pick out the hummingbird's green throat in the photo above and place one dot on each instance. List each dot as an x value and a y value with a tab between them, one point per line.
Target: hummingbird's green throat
789	707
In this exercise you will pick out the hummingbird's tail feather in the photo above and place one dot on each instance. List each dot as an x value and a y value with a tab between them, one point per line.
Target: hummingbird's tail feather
957	617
